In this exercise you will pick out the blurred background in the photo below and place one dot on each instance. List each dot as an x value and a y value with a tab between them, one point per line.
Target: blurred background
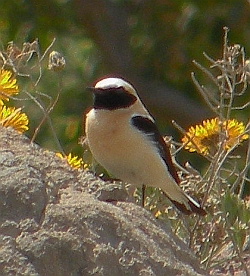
151	43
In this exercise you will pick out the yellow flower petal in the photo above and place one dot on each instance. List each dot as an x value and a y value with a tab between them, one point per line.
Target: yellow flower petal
235	133
74	161
12	117
8	85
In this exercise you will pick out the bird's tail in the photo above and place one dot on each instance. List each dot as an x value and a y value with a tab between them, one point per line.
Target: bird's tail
190	206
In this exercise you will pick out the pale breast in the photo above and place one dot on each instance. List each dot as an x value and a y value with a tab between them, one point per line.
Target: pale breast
114	143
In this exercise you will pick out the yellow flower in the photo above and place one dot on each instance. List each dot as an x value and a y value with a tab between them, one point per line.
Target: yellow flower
204	138
235	133
8	85
74	161
12	117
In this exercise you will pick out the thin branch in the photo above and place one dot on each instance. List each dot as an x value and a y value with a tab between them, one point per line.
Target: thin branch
204	95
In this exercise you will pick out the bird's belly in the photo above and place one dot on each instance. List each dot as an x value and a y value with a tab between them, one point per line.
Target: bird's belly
131	158
118	160
131	162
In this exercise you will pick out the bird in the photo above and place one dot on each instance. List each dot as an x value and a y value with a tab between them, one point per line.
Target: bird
123	138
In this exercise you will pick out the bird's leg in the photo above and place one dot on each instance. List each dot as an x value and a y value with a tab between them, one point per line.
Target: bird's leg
143	195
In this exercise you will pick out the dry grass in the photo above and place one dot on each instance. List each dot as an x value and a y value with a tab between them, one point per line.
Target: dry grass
221	240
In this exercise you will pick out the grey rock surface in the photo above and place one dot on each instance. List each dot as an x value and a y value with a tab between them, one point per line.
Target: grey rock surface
55	221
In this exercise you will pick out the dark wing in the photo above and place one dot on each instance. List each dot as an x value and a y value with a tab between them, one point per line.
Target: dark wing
148	127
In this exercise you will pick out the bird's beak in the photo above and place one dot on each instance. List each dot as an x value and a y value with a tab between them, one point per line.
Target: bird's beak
94	90
91	89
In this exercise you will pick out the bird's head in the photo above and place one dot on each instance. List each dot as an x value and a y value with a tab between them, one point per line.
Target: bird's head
113	93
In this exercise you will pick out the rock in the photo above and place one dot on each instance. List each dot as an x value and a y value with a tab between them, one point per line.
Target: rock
57	221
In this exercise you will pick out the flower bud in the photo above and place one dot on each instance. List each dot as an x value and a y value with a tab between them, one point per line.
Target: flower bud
56	61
